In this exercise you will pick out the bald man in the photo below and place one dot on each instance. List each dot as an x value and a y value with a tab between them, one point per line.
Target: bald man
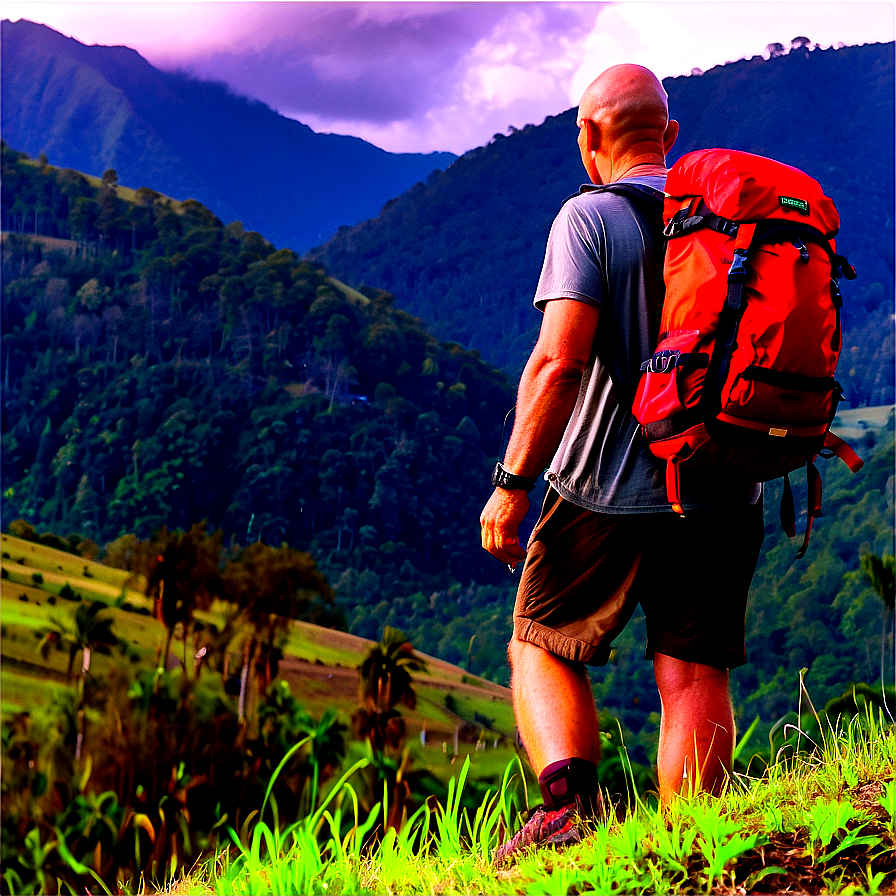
607	538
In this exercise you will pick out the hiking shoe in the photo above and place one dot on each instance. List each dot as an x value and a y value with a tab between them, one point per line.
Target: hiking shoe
553	827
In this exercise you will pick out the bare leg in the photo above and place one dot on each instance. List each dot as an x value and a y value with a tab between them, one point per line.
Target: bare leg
697	729
554	707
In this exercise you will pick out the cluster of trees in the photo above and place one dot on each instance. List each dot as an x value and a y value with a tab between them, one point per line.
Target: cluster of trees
191	371
176	759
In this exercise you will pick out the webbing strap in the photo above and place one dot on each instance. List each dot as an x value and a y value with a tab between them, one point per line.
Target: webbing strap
790	380
788	516
673	484
839	448
813	481
726	331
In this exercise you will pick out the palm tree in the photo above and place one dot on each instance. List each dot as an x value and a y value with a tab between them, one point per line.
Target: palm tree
385	673
86	631
881	572
384	682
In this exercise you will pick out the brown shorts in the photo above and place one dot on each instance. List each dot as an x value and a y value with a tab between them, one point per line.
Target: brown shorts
585	572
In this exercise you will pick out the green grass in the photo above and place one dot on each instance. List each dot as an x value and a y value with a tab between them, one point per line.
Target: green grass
821	823
30	693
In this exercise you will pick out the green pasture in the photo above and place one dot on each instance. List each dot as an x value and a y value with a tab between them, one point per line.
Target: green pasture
310	642
853	423
28	607
25	693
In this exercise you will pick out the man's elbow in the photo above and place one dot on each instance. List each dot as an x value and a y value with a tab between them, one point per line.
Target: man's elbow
560	372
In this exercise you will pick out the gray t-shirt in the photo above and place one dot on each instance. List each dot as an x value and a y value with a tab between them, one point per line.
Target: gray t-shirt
606	249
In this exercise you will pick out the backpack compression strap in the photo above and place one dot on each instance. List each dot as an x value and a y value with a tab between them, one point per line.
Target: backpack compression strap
834	446
729	320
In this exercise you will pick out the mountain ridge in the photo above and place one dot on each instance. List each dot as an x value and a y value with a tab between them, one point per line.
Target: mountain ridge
91	108
463	251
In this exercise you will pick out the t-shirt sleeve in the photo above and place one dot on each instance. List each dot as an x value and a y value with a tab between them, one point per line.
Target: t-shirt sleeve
573	268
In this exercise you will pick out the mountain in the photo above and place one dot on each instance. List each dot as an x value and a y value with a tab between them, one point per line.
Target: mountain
161	368
464	250
92	108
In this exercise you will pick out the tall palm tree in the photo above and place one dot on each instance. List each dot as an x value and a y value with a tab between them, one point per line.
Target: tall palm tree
385	673
881	572
384	682
86	631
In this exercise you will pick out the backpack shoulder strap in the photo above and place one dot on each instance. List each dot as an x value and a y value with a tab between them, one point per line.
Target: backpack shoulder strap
636	192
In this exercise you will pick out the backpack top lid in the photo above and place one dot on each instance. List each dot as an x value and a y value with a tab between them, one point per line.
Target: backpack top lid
741	186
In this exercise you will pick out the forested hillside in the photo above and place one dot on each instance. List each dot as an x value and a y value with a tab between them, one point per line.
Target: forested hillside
95	108
464	250
165	369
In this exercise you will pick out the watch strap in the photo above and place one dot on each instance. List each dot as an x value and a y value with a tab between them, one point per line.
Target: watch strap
502	478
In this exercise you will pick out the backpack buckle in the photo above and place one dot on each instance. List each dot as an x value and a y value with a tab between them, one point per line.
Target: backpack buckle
738	270
676	222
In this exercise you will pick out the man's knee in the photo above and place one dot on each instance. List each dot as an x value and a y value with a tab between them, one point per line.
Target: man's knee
675	677
517	651
522	654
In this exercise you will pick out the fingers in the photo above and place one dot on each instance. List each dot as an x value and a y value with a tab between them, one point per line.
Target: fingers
499	525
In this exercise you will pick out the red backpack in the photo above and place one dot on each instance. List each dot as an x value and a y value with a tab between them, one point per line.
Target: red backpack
743	376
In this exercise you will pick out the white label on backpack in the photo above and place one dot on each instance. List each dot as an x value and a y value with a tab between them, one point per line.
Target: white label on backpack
777	432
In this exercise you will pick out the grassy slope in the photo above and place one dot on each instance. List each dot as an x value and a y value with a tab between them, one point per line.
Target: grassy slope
821	823
319	664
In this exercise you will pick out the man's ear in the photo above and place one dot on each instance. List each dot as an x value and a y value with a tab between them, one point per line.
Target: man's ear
592	135
670	136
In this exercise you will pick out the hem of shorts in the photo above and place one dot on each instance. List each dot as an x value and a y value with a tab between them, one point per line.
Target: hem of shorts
565	646
721	660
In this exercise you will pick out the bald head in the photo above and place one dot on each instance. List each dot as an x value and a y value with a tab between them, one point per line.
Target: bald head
627	110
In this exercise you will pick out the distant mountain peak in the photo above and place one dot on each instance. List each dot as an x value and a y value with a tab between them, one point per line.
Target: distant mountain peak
96	107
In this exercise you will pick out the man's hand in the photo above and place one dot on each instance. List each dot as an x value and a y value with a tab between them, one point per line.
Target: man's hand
500	522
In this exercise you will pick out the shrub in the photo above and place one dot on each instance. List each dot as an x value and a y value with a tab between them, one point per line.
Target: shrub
37	578
23	529
69	593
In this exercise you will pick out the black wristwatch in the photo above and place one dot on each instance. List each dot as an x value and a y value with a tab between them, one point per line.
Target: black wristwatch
502	478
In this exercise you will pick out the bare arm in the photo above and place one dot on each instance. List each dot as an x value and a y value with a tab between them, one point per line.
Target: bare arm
546	397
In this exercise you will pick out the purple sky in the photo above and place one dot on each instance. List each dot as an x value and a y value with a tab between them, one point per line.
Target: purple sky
443	76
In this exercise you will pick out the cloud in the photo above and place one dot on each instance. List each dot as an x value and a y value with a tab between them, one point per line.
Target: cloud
383	70
423	76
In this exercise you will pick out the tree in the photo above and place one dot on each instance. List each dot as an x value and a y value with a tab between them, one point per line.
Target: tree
183	575
273	586
384	682
881	572
86	631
